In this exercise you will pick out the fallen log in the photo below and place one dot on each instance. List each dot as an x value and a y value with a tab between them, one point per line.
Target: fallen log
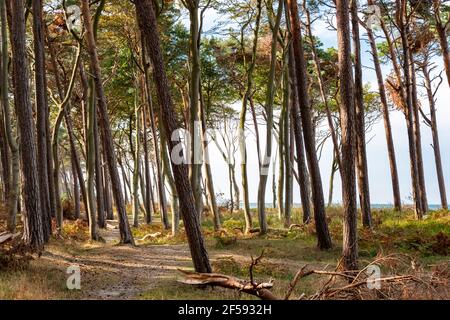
7	236
260	290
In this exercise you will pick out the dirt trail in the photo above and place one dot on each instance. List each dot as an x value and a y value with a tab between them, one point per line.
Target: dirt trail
110	271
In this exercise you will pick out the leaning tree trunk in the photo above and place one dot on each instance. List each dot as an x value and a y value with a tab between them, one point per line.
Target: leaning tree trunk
148	26
42	114
360	126
350	241
13	196
323	234
33	230
107	138
387	121
324	97
270	96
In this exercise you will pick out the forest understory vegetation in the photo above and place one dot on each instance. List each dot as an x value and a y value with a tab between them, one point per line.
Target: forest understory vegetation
416	252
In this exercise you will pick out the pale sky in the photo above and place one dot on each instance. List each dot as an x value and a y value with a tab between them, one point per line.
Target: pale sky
379	173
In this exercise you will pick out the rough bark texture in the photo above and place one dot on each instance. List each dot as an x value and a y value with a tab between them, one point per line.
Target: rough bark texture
33	232
148	26
41	116
305	188
360	126
323	234
350	241
14	171
107	139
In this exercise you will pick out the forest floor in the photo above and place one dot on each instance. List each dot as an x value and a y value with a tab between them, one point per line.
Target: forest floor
150	270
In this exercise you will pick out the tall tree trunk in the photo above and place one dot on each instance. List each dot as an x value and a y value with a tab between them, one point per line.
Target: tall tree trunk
194	100
289	150
90	163
360	126
318	70
350	240
159	173
174	202
76	190
107	193
107	139
281	153
64	113
323	234
101	217
13	195
304	181
33	230
418	137
387	122
334	169
148	180
408	103
136	162
41	116
242	119
270	96
435	133
208	174
148	26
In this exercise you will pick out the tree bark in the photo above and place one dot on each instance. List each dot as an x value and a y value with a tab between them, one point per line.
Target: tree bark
387	122
304	182
147	177
136	162
270	96
107	139
323	234
208	174
360	126
408	102
242	119
435	134
148	26
42	114
13	196
350	241
33	230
